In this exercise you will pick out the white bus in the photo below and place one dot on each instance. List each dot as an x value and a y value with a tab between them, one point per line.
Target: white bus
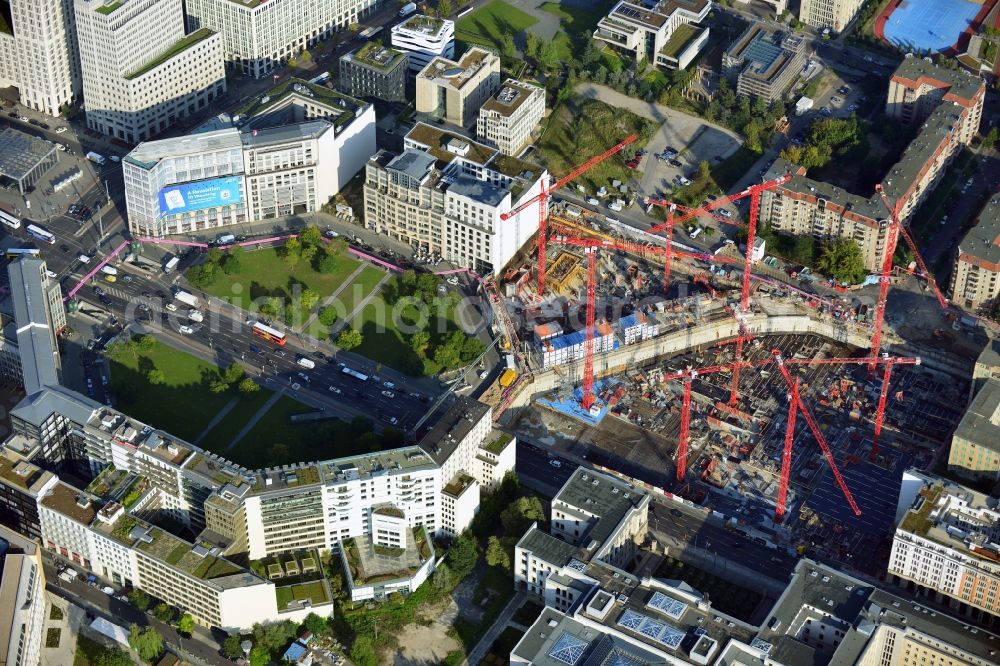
9	220
18	252
40	234
354	373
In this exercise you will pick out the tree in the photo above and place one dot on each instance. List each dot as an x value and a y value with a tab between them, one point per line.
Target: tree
163	612
218	385
752	130
532	46
704	169
444	8
363	652
311	235
185	624
447	356
233	373
841	259
419	342
248	386
309	300
292	251
146	642
271	306
231	646
259	656
146	343
496	554
516	517
328	316
549	55
231	264
315	624
328	263
112	657
139	599
442	579
349	339
463	555
156	376
990	140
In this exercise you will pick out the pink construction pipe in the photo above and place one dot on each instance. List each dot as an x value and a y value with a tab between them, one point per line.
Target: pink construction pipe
98	267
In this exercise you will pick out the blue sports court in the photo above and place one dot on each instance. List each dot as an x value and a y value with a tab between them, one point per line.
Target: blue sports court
918	25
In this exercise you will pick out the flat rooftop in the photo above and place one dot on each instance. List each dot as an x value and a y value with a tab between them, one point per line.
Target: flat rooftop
148	153
423	24
181	45
456	74
20	473
605	497
446	146
376	56
511	96
954	516
454	426
72	503
20	152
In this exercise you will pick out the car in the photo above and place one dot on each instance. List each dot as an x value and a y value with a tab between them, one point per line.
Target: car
675	163
388	394
725	212
334	389
186	330
388	385
296	386
392	420
108	590
60	130
12	114
593	202
128	279
330	233
143	307
836	100
23	119
453	280
146	294
303	376
115	158
170	306
84	259
484	374
683	181
160	293
105	299
279	352
555	463
110	278
99	291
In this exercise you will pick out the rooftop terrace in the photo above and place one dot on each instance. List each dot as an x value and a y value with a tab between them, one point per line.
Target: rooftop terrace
377	56
436	142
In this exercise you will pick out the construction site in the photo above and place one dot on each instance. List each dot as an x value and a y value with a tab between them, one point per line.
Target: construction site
779	410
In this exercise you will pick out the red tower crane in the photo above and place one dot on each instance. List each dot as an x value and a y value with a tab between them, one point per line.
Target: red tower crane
682	442
887	364
542	198
786	454
820	439
588	341
745	335
754	192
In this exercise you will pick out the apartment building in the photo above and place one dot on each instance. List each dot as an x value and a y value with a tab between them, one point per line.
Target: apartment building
23	603
662	33
765	61
947	545
424	38
375	71
807	206
259	35
21	482
446	193
495	458
41	316
975	444
832	14
455	91
974	279
596	518
508	119
289	153
569	347
141	72
823	617
38	54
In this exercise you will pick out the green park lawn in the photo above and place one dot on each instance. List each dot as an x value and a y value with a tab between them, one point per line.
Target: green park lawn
487	25
348	299
579	131
263	273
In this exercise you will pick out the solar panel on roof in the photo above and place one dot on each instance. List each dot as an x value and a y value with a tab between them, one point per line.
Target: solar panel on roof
568	649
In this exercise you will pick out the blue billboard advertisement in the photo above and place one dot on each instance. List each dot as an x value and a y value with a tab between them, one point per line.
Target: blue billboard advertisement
212	193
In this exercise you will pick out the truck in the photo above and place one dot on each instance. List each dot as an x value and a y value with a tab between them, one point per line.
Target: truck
408	9
368	33
225	239
67	576
186	298
306	363
96	158
107	269
171	264
196	315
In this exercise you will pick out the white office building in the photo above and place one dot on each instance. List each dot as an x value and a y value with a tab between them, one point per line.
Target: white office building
508	119
141	72
424	38
294	149
38	54
260	35
446	193
22	600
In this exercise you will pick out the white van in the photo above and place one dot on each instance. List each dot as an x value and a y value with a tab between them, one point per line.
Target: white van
109	270
696	232
307	363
